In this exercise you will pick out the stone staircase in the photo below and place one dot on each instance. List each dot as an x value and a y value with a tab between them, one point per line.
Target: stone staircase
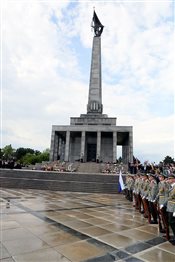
89	167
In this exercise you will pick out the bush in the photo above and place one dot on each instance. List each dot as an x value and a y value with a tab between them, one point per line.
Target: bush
32	159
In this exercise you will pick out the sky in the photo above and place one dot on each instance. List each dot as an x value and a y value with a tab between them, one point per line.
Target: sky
45	68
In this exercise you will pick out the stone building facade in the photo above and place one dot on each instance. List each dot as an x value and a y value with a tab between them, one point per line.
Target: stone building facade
93	136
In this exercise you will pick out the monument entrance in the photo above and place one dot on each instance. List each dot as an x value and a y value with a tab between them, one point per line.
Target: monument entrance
91	152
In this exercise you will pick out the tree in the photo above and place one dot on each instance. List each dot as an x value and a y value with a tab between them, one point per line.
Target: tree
23	155
29	159
36	157
21	152
1	153
168	160
37	152
8	152
44	156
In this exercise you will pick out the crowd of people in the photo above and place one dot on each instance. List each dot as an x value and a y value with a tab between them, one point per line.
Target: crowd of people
153	195
147	167
59	166
11	164
113	168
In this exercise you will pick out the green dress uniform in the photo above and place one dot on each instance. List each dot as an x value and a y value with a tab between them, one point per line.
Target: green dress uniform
138	192
162	198
152	194
144	193
128	187
171	210
163	193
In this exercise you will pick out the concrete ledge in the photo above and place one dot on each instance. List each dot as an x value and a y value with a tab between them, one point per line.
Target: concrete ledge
75	182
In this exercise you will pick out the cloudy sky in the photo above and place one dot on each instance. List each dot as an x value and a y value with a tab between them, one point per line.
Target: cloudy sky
45	59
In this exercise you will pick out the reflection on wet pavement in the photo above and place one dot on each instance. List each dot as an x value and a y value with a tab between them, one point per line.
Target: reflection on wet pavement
54	226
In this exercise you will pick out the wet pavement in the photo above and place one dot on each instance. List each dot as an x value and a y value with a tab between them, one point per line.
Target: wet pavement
55	226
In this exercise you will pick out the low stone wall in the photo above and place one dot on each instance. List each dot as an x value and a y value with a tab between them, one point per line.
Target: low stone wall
75	182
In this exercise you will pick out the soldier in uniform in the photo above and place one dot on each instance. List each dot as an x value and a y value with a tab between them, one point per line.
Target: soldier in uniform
152	193
162	197
135	201
144	195
126	190
137	193
171	205
135	189
131	187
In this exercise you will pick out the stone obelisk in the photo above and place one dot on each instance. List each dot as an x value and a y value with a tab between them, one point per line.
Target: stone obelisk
95	94
93	136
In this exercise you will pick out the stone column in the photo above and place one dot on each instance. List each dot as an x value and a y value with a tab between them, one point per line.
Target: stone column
130	157
125	154
114	146
82	146
52	146
62	150
66	157
98	154
55	155
59	146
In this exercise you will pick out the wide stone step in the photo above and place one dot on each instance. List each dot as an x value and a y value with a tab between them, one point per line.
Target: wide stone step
33	174
75	182
60	186
89	167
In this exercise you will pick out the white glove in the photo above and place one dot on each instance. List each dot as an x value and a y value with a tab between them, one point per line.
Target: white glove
174	214
161	206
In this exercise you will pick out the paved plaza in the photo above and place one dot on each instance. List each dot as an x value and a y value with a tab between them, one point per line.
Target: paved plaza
54	226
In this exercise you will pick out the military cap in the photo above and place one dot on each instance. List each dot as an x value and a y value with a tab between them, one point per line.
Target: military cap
152	175
171	175
131	175
145	174
163	174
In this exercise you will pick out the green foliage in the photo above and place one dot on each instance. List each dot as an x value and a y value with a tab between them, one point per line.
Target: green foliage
168	160
1	153
32	159
29	158
25	156
8	152
37	152
44	156
21	152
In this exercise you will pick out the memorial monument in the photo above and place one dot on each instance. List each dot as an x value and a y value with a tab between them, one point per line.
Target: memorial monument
93	136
